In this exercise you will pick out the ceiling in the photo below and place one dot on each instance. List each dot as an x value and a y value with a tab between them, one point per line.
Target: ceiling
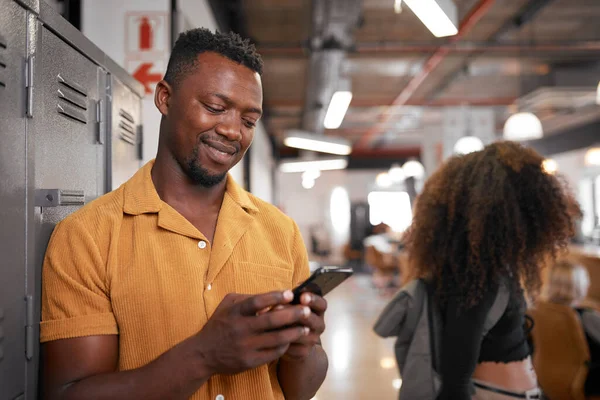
402	76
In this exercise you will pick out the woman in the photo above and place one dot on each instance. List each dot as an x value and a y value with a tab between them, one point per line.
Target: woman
568	284
483	218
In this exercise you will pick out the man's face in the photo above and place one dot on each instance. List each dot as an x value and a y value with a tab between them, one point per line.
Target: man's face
210	116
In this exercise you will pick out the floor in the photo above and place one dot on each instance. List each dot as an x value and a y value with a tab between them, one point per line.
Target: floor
361	364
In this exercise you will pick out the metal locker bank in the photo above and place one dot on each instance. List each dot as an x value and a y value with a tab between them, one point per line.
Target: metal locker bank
70	131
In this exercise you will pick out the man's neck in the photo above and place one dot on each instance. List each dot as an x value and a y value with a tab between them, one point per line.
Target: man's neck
175	188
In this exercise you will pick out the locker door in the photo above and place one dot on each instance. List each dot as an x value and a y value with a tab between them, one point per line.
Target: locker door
13	158
126	140
68	153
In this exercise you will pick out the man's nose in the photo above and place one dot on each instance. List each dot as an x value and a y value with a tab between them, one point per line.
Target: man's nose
230	127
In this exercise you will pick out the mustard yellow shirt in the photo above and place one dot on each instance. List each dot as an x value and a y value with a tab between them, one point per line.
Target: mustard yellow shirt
128	264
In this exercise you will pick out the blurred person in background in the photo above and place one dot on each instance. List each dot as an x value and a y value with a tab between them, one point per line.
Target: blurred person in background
484	218
568	285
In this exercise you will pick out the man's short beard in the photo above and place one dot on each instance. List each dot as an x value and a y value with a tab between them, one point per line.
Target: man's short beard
200	175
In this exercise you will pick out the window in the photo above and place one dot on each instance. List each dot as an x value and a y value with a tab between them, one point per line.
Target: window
340	210
390	208
586	190
597	197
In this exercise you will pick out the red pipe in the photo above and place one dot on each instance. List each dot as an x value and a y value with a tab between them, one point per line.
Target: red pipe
432	63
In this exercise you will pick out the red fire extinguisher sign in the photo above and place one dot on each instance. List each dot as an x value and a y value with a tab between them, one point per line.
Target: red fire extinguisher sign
146	34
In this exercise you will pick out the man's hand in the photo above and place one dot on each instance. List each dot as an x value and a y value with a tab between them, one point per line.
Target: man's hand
303	346
238	337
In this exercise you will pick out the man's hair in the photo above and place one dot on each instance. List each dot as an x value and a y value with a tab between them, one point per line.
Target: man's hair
190	44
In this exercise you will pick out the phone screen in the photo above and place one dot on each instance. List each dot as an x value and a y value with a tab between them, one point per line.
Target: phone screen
322	281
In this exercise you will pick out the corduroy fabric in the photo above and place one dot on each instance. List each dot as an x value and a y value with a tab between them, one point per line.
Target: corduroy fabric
128	264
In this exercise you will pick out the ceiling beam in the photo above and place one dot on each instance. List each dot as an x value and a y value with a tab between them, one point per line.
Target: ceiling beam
375	102
573	138
476	13
373	49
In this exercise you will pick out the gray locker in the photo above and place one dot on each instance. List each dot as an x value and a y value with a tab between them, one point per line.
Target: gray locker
69	132
13	56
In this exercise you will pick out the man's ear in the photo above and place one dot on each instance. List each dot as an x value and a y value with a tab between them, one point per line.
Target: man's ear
162	97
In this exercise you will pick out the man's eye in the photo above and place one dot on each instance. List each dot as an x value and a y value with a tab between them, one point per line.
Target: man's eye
213	109
249	124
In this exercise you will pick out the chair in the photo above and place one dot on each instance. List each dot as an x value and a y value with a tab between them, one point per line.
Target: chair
561	352
383	269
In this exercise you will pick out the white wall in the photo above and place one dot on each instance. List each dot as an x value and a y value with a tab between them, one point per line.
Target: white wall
312	206
261	165
196	13
571	165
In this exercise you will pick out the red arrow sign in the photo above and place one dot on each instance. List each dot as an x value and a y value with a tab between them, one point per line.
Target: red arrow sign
143	75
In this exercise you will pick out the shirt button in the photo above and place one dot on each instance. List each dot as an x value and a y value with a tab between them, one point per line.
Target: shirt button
220	397
209	287
202	244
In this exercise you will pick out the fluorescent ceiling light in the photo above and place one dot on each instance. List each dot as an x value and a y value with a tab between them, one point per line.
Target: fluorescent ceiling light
398	6
320	143
340	101
323	165
439	16
523	126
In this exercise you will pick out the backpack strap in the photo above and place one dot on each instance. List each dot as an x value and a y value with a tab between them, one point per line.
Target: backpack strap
497	309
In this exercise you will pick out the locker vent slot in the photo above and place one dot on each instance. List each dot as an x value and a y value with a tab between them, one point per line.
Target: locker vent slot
71	85
2	62
72	100
127	116
71	113
127	128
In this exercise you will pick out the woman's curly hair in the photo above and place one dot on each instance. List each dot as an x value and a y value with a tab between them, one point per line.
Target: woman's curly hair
486	216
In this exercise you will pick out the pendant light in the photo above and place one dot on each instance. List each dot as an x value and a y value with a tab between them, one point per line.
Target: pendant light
523	125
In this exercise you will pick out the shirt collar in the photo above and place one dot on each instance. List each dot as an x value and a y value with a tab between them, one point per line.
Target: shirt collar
141	196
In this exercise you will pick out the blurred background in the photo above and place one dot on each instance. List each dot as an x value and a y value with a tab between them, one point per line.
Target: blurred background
363	100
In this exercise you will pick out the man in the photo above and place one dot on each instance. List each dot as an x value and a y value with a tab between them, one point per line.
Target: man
176	284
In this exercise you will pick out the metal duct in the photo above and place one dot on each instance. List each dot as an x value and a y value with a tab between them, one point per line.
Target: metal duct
333	25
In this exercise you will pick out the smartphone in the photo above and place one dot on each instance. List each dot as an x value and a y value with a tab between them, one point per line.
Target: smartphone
322	281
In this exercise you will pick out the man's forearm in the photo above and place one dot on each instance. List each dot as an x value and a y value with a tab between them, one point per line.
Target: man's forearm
300	380
177	374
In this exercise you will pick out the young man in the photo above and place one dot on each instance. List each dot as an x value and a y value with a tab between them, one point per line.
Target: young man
176	285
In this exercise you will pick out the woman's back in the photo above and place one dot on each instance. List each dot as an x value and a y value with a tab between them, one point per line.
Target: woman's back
482	218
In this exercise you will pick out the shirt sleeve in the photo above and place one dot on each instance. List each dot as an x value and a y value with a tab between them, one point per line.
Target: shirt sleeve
75	295
300	258
461	343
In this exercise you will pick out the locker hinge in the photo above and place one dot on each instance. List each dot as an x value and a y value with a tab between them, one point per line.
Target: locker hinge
29	86
29	336
140	141
101	120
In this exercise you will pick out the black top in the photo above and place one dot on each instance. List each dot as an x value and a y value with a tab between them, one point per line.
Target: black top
462	347
591	325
